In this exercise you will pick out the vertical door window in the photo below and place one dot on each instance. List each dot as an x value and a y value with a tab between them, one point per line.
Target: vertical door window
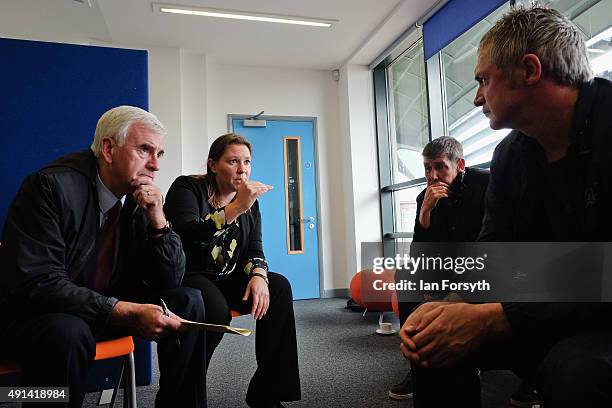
293	199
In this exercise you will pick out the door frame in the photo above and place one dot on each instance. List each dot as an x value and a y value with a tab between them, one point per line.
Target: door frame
230	127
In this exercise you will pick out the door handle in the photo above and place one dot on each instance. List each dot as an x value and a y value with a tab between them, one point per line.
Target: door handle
309	219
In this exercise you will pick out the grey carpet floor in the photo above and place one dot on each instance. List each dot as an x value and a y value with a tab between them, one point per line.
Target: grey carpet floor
343	363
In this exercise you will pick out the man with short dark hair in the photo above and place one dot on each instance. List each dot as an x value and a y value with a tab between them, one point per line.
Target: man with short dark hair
550	181
459	218
88	254
450	209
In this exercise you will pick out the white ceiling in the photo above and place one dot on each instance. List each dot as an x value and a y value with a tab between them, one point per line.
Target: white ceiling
364	29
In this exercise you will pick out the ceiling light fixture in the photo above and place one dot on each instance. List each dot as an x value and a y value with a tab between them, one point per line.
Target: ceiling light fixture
243	15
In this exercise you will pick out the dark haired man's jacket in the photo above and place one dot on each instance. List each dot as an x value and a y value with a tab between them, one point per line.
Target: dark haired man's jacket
457	218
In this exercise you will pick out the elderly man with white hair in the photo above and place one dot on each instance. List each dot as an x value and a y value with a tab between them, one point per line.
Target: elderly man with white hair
87	254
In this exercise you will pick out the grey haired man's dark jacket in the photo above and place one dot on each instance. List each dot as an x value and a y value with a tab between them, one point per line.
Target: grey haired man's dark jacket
518	207
49	247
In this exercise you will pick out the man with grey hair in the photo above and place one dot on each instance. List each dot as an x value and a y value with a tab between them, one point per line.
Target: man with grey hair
88	254
551	181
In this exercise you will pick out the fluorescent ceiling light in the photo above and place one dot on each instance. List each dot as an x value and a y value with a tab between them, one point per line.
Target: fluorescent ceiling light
243	15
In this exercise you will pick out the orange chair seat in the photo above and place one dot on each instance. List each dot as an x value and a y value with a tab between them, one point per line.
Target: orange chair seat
114	348
104	350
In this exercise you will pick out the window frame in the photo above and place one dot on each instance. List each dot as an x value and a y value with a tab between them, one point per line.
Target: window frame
385	144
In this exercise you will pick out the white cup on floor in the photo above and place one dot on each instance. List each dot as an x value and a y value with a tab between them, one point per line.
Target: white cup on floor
385	328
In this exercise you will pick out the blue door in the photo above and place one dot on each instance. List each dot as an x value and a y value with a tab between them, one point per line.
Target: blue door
283	156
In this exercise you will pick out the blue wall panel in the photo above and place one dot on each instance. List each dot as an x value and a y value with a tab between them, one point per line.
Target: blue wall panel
51	98
452	20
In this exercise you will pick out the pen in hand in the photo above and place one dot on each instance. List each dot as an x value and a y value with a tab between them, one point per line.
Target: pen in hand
165	309
166	312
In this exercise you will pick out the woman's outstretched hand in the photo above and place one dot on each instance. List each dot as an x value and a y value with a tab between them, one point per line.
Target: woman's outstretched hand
248	192
246	195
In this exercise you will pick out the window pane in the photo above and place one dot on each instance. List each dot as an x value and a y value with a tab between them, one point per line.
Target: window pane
408	114
404	207
466	122
594	19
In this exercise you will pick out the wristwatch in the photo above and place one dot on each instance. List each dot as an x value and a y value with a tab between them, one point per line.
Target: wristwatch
161	231
262	276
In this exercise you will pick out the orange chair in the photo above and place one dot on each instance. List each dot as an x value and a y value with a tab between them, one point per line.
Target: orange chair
364	291
123	346
395	304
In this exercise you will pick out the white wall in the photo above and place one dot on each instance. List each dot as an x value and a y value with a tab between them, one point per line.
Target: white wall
165	103
364	159
233	89
193	113
362	191
346	154
177	96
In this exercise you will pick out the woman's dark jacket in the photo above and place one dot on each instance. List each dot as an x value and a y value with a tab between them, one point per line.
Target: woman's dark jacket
212	246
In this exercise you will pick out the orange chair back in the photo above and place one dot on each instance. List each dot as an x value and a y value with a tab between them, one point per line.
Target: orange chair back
363	290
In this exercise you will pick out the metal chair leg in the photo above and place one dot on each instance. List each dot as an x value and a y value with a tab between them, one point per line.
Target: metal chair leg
116	389
130	385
